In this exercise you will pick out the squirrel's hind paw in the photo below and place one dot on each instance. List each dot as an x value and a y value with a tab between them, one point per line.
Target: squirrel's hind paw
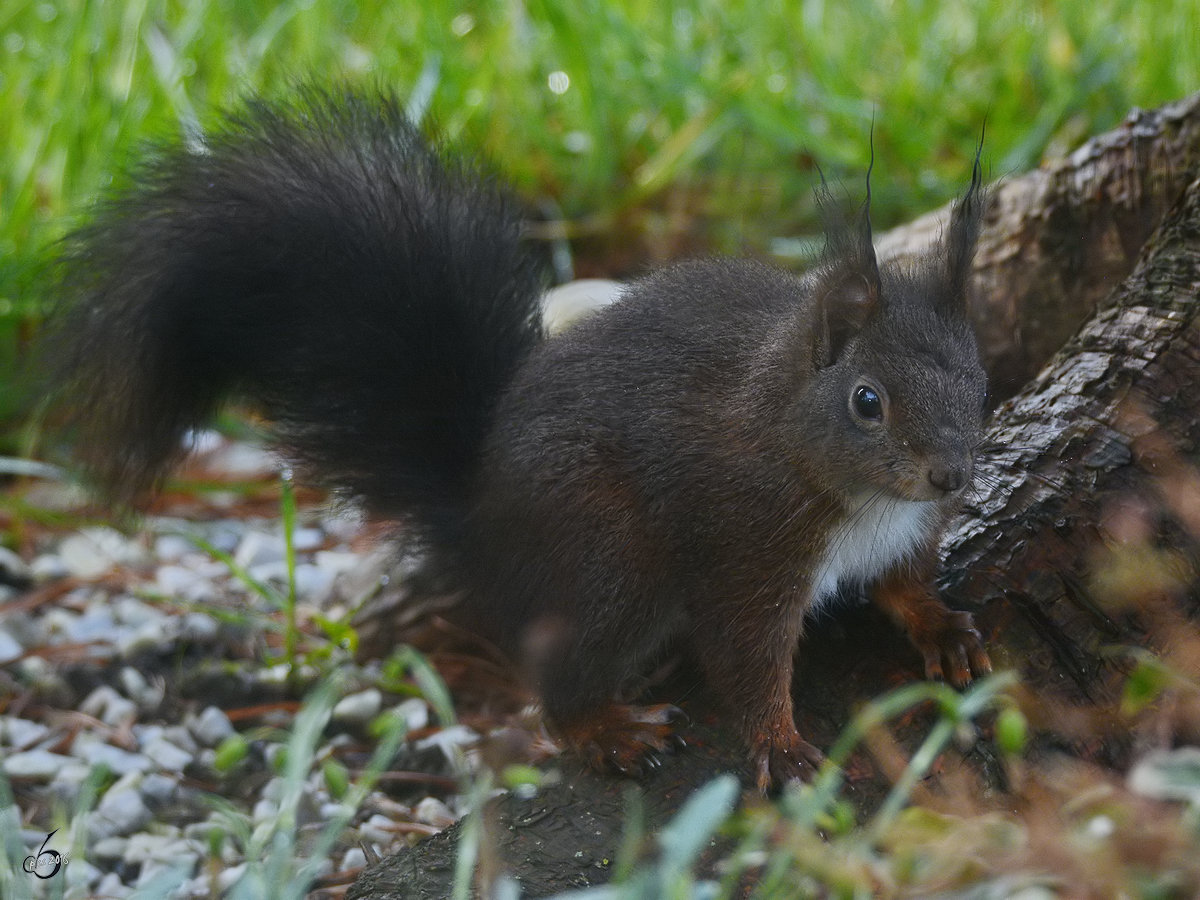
629	740
779	759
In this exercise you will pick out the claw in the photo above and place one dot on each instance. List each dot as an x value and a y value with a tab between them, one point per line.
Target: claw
628	740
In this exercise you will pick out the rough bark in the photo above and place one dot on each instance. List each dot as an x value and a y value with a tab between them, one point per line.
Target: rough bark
1059	239
1093	473
1093	461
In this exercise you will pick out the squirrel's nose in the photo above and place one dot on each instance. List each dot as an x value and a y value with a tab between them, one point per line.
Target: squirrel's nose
948	476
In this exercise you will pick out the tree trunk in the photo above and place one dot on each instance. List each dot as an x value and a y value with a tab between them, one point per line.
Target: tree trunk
1084	531
1059	239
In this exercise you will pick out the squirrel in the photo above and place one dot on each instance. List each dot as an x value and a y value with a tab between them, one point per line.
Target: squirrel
709	459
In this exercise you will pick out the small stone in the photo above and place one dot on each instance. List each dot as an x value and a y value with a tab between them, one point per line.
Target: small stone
433	811
14	570
306	539
9	648
94	551
95	752
147	695
147	637
48	567
95	624
259	549
172	547
415	712
81	875
109	848
181	738
68	781
111	886
313	580
167	756
354	858
121	811
449	740
33	764
159	789
230	877
105	704
182	583
198	628
358	709
377	829
20	734
264	811
210	726
131	611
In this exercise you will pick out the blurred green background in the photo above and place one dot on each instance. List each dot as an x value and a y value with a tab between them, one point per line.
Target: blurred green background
648	130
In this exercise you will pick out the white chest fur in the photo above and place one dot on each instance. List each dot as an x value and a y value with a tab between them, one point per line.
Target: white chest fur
879	532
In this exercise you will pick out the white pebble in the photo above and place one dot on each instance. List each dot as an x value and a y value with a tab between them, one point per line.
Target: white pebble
259	549
415	712
377	829
19	734
9	648
94	551
313	580
355	858
433	811
159	789
95	624
358	708
264	811
112	886
109	848
183	583
145	638
198	628
14	569
182	738
172	547
35	764
167	756
131	611
448	740
121	811
147	695
48	567
95	752
105	704
231	876
210	726
306	539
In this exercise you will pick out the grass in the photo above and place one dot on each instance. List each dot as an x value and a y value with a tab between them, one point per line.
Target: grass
649	130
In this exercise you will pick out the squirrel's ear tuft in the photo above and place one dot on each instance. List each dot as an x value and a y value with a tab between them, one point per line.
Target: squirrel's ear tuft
958	244
847	289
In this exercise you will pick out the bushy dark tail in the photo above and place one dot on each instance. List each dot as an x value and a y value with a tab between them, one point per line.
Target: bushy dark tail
318	258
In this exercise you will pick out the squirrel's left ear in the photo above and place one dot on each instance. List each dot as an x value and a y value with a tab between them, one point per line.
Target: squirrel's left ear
958	244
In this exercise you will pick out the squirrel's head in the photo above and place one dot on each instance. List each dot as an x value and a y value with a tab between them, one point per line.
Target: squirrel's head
895	386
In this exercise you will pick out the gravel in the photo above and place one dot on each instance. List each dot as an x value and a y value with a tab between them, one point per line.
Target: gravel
105	741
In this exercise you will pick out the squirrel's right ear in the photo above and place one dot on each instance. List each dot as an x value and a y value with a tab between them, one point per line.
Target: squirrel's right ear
847	289
843	308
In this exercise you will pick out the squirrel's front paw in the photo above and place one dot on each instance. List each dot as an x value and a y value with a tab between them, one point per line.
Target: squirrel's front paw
953	650
782	757
629	740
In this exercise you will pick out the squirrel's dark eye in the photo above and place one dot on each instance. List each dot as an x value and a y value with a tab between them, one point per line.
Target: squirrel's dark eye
867	403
